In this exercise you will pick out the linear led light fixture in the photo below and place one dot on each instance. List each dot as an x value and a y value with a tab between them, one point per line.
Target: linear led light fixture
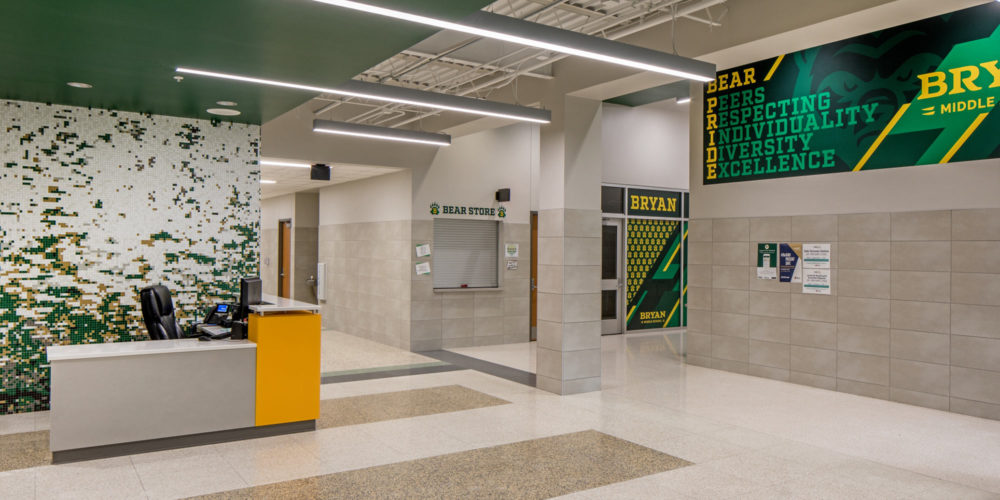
384	133
508	29
273	163
266	181
388	93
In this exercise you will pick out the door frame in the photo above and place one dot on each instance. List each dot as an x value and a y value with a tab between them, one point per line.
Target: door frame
533	279
284	225
617	284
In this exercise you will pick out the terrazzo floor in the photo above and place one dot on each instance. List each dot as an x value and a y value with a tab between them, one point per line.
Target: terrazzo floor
747	438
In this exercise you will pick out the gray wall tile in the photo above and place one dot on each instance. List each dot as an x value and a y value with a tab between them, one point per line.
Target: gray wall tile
864	227
730	366
863	389
699	320
863	312
772	373
981	224
976	257
730	325
731	301
921	286
699	297
730	254
814	307
769	329
863	283
760	285
770	354
921	226
813	334
915	398
777	305
699	344
700	230
699	275
921	255
814	361
921	377
819	381
863	368
863	339
729	348
922	316
921	346
975	352
864	255
699	252
737	229
814	228
774	229
975	408
975	385
733	277
975	289
976	321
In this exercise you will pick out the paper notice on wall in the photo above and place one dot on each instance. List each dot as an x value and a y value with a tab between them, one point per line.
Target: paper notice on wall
512	250
790	262
423	268
423	250
816	256
767	261
816	281
512	264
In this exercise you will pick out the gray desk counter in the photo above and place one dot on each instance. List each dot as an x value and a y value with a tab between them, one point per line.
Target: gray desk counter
108	394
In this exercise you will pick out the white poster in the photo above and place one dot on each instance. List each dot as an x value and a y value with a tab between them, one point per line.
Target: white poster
816	256
423	268
423	250
512	250
816	281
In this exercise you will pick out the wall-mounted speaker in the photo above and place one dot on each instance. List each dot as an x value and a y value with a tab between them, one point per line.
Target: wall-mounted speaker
319	172
503	194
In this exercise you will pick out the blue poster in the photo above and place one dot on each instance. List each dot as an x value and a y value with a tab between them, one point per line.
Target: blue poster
790	263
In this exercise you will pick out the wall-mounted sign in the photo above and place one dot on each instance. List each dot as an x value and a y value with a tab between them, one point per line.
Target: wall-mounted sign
816	281
650	203
423	268
511	250
816	255
423	250
917	94
654	274
790	263
767	261
437	209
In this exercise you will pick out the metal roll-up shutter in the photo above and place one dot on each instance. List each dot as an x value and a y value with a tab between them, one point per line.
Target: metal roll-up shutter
465	253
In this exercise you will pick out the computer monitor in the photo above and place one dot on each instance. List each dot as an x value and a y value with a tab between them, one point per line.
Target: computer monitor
250	291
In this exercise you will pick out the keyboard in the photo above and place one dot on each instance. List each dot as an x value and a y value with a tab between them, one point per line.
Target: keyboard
214	331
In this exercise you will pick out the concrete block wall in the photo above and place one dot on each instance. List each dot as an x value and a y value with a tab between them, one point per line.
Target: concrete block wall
442	320
913	315
368	280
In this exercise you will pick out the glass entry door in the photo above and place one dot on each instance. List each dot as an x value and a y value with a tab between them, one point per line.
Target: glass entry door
612	282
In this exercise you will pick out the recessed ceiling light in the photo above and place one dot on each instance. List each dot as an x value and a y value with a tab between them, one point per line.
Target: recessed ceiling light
226	103
223	111
273	163
80	85
268	181
507	29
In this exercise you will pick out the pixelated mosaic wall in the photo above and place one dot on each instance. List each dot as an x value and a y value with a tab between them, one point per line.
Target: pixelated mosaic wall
95	205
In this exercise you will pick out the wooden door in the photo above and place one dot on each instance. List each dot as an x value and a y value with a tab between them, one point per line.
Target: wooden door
285	259
534	276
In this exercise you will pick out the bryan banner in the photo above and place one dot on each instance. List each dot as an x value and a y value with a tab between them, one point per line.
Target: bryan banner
654	274
918	94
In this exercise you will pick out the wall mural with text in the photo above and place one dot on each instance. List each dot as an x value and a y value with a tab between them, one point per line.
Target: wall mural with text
917	94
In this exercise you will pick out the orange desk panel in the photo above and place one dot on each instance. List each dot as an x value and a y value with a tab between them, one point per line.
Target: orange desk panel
288	366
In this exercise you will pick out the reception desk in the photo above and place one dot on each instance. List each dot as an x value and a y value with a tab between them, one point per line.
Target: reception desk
133	397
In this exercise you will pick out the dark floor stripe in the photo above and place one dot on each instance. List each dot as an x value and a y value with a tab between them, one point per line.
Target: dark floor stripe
401	404
24	450
334	378
537	468
470	363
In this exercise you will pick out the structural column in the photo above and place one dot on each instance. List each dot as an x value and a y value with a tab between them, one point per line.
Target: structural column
569	241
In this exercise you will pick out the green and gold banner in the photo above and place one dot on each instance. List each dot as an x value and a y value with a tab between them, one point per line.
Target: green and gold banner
654	274
918	94
653	203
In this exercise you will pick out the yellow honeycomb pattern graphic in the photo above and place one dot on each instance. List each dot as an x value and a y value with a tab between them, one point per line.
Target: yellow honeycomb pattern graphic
646	239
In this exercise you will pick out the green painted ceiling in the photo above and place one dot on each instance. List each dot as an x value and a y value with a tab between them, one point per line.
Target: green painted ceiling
651	95
128	50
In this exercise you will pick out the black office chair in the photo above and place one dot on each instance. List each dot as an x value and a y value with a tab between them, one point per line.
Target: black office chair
158	313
